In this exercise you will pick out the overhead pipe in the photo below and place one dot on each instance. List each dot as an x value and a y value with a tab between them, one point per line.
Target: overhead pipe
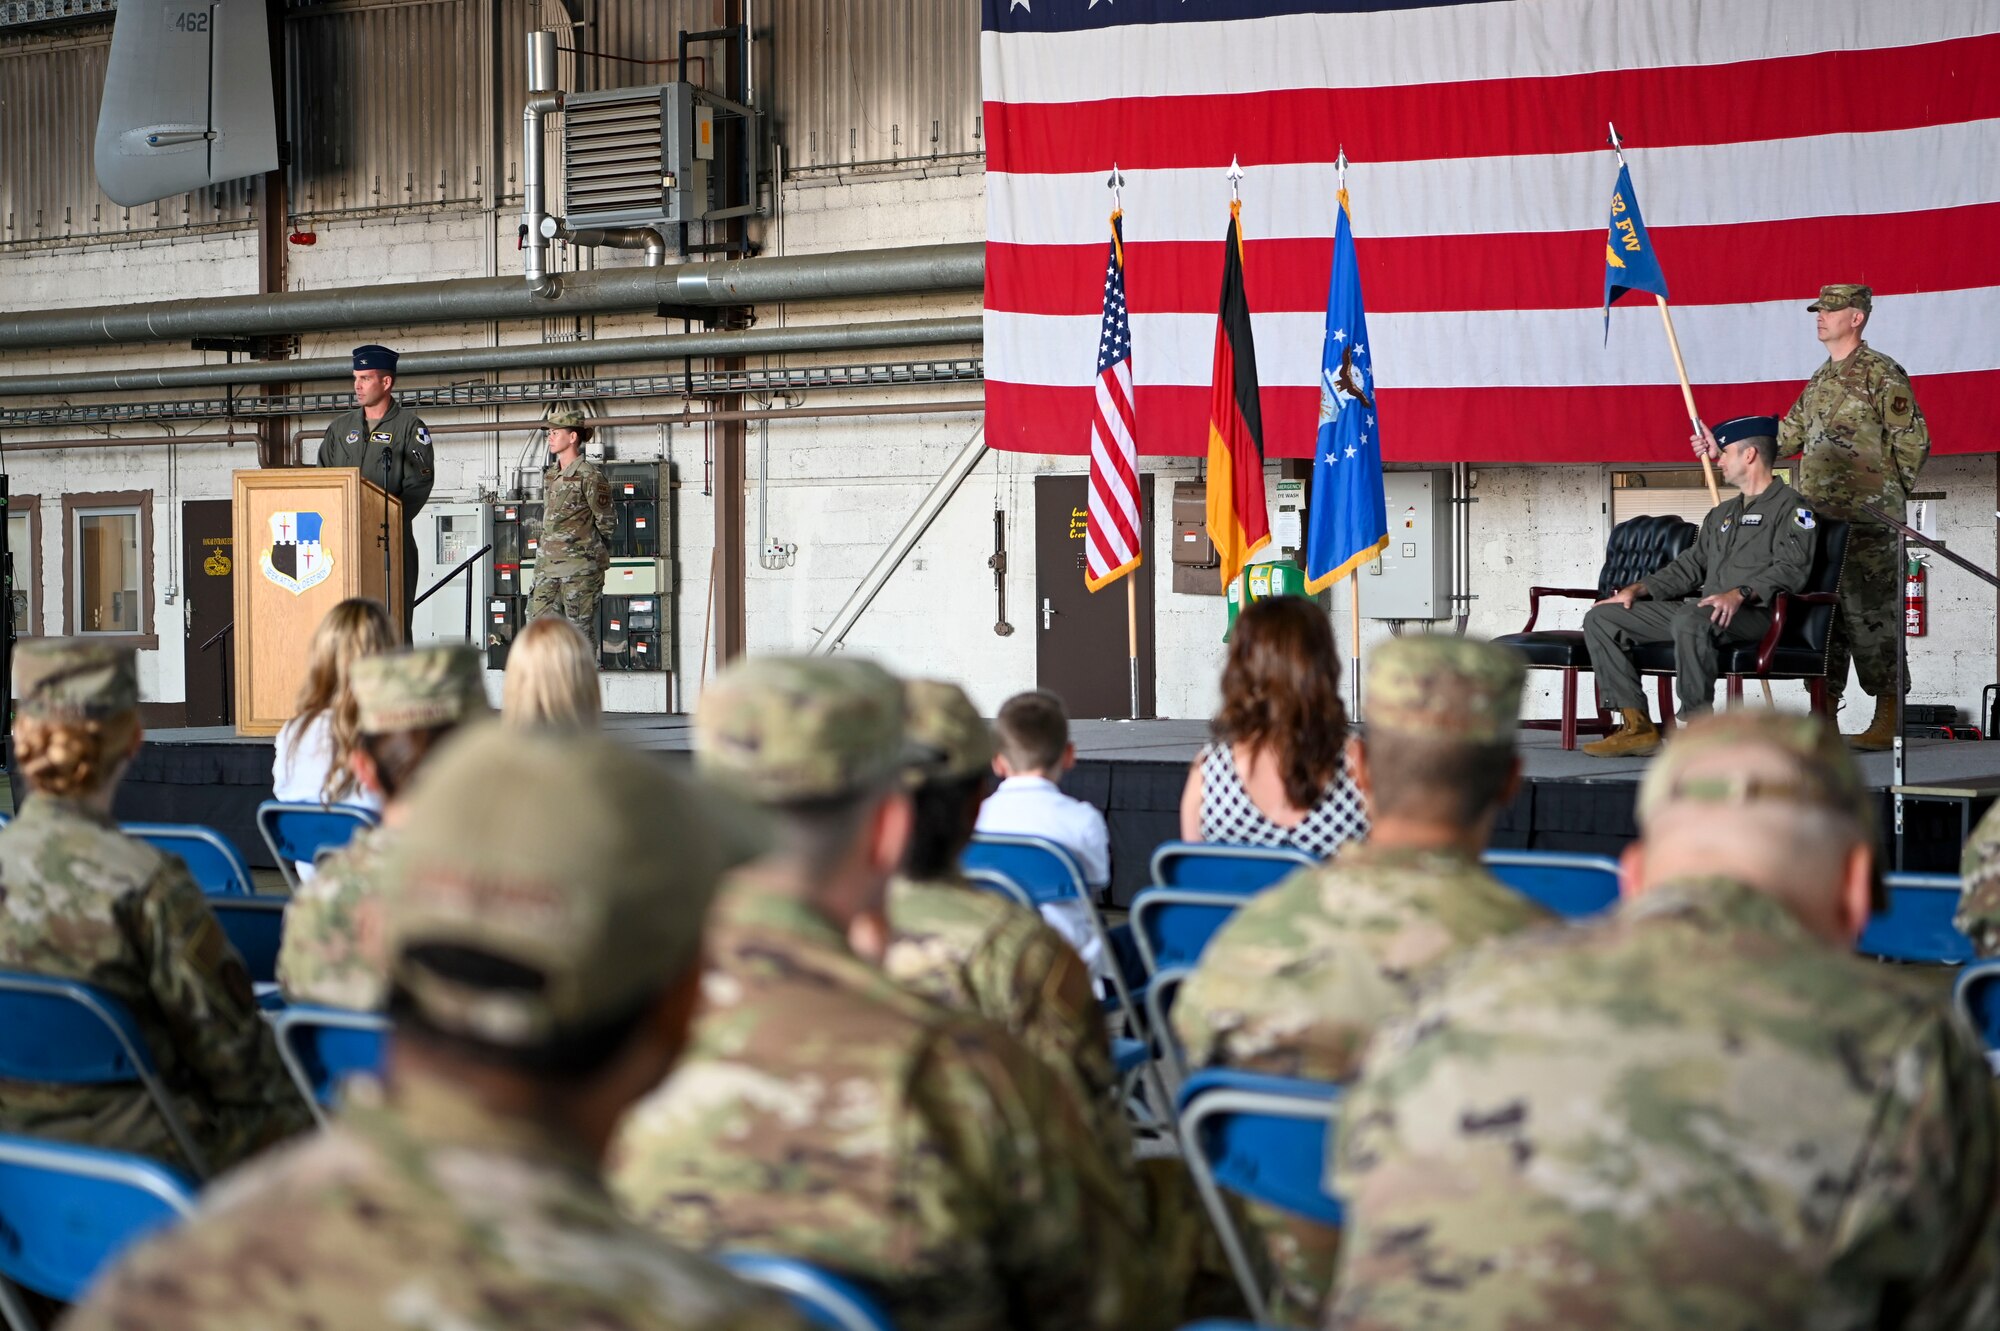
907	270
610	237
535	355
111	441
544	98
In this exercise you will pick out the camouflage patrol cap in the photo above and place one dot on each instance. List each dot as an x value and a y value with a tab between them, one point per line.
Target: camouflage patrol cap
417	688
1453	688
603	913
1842	296
565	420
785	729
947	738
71	679
1824	773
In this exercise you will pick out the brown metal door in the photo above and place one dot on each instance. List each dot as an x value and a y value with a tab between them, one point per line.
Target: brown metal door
1081	645
208	571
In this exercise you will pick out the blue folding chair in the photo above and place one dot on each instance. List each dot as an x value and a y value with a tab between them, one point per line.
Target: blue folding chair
67	1033
1173	924
67	1211
1575	887
1977	996
1264	1138
216	864
1160	995
989	880
822	1298
256	926
324	1046
1214	867
298	833
1918	926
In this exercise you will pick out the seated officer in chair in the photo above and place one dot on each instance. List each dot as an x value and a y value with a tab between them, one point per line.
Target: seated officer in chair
1751	548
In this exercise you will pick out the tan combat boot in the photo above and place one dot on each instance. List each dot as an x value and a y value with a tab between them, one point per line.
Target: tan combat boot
1881	732
1635	738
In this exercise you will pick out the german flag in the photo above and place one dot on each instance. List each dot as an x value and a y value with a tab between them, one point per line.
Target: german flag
1237	520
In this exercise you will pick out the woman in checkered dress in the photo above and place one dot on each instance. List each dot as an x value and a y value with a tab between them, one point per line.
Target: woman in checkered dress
1273	774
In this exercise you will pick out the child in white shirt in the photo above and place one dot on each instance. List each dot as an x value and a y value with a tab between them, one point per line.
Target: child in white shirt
1035	753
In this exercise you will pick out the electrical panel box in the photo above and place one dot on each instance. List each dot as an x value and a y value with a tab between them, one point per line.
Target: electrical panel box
636	156
1194	560
1411	579
502	622
447	535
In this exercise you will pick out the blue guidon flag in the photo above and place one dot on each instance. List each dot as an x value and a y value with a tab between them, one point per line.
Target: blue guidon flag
296	559
1630	262
1349	521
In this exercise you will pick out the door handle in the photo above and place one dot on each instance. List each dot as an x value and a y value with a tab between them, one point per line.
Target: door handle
1048	614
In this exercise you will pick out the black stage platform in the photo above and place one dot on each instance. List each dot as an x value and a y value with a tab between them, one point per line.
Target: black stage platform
1133	770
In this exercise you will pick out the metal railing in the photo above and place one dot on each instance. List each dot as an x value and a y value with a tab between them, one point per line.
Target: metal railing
464	566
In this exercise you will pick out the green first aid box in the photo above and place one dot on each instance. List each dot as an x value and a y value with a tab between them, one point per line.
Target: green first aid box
1277	578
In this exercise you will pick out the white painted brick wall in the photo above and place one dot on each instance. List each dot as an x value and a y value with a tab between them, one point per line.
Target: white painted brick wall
839	489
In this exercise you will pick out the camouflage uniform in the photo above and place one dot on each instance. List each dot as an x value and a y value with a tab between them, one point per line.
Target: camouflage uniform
827	1113
1864	440
575	547
83	901
433	1208
1979	876
1300	979
1693	1113
331	953
978	952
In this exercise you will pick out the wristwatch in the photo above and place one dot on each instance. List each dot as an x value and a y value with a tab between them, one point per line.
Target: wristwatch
1744	591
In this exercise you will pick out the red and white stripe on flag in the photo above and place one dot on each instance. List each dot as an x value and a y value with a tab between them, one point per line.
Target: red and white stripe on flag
1778	146
1111	539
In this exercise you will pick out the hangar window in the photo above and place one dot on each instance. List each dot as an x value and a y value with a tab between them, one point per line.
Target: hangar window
107	566
24	547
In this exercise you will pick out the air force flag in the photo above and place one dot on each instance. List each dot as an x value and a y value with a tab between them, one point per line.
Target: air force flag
1348	523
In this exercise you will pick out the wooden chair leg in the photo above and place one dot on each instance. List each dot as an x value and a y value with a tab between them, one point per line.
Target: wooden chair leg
1816	694
1569	708
1665	688
1736	690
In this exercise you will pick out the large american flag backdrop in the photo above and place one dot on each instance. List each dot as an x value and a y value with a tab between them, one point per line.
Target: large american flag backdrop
1777	145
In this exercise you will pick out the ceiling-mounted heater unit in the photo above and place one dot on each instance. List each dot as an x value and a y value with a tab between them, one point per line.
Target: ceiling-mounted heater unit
636	156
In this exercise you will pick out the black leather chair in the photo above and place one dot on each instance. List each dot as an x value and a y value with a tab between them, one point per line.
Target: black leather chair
1638	546
1794	647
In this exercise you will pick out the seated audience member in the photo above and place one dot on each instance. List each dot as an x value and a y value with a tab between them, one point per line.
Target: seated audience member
829	1114
408	702
976	951
1700	1111
1035	754
1752	546
551	678
83	901
1272	774
540	984
1300	978
1979	886
310	762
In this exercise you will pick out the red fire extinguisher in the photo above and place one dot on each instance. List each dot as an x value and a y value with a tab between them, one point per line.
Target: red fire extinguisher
1915	615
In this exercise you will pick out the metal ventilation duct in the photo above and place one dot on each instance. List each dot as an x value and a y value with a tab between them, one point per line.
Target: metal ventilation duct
635	157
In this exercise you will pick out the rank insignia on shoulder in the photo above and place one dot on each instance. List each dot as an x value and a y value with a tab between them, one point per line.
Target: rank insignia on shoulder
1805	518
354	436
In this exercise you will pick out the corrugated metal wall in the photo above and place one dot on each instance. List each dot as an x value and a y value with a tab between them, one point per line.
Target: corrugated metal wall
389	108
50	87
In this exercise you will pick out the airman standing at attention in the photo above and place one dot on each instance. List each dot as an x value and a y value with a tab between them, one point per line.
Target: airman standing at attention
1300	979
84	901
538	986
1700	1111
390	445
577	515
827	1113
1861	438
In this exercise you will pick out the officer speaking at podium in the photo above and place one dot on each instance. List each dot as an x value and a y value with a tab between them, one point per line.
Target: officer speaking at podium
390	446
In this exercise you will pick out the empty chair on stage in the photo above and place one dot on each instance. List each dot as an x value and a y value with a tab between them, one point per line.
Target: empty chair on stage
86	902
1753	547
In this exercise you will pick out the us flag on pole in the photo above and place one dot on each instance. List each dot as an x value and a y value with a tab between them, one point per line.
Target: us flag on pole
1111	542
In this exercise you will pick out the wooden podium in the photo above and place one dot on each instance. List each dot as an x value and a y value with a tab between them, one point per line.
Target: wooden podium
307	538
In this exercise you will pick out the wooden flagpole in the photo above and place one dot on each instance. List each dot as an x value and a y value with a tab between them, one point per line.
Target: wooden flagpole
1132	634
1354	642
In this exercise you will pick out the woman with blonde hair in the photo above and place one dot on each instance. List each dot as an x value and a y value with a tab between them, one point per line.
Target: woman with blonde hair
311	763
87	902
551	678
1273	774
